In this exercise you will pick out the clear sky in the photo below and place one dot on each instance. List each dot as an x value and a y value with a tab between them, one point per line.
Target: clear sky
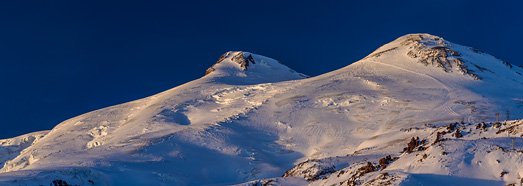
60	59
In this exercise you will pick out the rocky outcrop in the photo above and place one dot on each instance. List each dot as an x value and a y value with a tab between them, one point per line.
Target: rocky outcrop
222	57
242	60
311	170
435	51
239	57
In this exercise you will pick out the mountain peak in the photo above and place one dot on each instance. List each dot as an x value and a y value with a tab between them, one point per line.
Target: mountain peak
420	45
252	67
431	50
351	125
435	51
238	57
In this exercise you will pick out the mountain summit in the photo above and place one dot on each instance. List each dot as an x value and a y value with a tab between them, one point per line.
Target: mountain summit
434	51
241	66
238	57
417	110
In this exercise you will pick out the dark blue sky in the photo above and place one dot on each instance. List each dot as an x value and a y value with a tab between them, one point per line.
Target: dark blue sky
60	59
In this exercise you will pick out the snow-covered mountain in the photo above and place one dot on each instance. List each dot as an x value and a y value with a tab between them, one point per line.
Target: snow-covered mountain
251	120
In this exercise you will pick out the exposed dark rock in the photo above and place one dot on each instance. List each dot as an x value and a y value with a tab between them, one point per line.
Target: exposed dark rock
458	134
432	50
439	136
366	169
238	58
311	170
476	50
242	60
222	57
482	69
503	173
451	127
268	182
385	161
60	183
414	142
341	173
481	125
507	64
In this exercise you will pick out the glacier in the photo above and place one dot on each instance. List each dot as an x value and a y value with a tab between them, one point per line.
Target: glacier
254	121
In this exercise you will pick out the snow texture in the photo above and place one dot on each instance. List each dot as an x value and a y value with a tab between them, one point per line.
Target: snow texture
418	111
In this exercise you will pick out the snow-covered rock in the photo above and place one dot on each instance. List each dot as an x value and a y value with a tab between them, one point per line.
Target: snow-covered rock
244	67
251	120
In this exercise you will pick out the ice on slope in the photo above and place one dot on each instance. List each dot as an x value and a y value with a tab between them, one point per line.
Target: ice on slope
10	148
254	119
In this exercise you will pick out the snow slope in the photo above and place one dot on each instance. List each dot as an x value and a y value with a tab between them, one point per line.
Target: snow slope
251	118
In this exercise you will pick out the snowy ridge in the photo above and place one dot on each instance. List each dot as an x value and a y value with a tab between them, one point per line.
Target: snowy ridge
251	120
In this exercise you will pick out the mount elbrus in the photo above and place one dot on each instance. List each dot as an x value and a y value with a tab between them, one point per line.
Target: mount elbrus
418	110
